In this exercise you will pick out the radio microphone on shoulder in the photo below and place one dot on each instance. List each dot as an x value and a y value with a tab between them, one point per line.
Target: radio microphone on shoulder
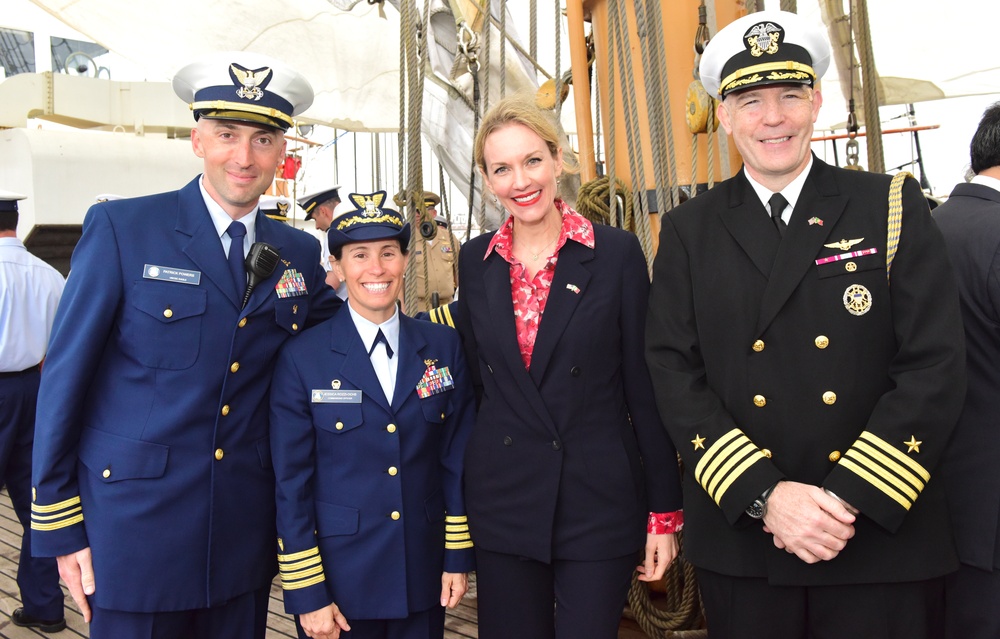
261	262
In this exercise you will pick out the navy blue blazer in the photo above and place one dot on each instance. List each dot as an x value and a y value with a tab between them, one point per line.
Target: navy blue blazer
970	223
366	491
151	441
567	460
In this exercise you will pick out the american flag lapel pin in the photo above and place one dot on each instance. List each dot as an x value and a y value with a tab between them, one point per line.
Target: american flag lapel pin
815	220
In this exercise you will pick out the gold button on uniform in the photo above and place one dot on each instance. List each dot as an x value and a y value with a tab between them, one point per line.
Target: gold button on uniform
168	313
243	322
442	416
822	341
829	398
235	367
834	456
758	345
295	327
339	426
391	428
765	452
225	410
395	515
759	401
106	473
219	454
392	471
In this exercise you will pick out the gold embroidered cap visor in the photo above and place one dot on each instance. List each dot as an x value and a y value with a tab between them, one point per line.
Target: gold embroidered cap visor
368	221
763	48
245	87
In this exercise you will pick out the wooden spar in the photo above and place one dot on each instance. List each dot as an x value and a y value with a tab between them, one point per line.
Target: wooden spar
680	23
861	134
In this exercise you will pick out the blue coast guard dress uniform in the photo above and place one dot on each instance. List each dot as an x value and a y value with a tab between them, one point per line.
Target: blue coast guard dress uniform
29	292
369	489
152	440
803	356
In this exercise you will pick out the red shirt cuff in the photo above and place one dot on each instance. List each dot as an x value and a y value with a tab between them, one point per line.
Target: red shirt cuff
665	523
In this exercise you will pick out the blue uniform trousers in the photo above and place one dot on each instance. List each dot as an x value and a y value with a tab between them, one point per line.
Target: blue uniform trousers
37	577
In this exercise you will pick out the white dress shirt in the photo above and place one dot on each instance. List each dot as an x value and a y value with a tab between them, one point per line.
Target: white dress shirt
385	366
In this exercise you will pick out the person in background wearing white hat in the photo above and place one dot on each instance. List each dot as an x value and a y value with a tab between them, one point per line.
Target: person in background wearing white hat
810	395
370	415
275	207
320	207
29	293
152	474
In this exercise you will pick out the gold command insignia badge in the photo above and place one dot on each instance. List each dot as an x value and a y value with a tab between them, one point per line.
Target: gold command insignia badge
857	300
335	384
698	441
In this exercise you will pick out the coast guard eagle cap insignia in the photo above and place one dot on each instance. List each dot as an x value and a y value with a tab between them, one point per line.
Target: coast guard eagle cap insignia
250	83
857	300
764	37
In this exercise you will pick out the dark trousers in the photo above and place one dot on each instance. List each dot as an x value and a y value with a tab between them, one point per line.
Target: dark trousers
972	604
527	599
750	608
37	577
428	624
244	617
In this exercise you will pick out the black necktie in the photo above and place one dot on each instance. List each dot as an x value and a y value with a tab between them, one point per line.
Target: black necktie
778	204
237	232
381	338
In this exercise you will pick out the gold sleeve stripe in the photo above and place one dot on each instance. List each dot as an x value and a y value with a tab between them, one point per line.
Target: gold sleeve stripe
897	454
890	464
883	475
448	319
72	501
455	529
57	525
739	470
449	545
41	518
301	574
300	555
711	458
876	482
456	519
296	565
737	456
457	537
725	461
304	583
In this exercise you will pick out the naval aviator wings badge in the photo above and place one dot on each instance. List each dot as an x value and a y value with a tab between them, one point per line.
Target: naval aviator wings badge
843	245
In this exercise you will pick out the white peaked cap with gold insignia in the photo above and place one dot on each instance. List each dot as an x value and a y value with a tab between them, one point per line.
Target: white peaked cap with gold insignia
243	86
767	47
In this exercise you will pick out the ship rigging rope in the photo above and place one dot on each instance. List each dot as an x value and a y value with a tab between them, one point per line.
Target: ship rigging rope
679	613
869	84
637	171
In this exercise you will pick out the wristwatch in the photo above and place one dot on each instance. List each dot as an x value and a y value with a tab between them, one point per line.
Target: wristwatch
758	508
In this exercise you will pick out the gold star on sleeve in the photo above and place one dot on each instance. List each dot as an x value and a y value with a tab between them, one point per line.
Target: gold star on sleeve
913	444
698	441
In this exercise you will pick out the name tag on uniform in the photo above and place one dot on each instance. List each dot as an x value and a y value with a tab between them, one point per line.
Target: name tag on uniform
320	396
170	274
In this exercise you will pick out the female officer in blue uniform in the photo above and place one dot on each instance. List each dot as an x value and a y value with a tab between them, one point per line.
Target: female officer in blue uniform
370	414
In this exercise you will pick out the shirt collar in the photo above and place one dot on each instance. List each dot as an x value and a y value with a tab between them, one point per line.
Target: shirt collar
221	219
791	191
368	329
574	227
11	241
986	180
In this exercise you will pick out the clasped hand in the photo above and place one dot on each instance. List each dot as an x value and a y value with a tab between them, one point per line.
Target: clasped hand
807	522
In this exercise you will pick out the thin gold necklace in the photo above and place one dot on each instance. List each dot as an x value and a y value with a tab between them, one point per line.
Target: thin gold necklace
535	254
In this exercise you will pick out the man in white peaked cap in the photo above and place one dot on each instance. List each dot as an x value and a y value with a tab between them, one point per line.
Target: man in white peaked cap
152	478
809	394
